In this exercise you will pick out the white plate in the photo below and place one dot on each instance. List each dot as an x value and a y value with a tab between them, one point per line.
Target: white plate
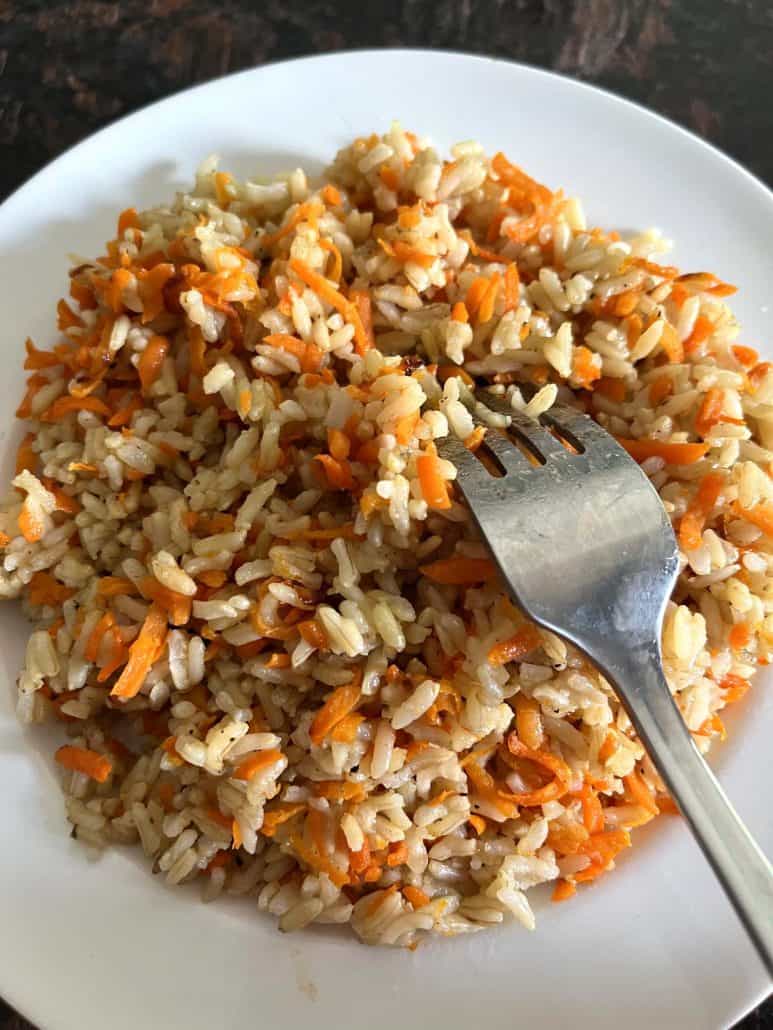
105	944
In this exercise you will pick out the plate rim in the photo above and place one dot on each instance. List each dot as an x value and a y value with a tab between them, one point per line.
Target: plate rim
709	149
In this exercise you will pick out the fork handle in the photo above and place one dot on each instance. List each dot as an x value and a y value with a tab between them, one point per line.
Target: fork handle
742	869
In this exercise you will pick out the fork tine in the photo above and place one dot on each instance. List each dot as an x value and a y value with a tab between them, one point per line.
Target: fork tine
536	437
506	452
470	471
579	428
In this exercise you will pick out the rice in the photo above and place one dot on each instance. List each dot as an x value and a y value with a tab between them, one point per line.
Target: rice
278	649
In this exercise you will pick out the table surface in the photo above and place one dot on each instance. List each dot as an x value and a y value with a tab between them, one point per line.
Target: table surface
68	67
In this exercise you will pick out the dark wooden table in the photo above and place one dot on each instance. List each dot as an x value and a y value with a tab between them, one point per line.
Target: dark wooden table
67	67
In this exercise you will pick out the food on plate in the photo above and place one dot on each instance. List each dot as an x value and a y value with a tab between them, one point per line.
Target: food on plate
279	652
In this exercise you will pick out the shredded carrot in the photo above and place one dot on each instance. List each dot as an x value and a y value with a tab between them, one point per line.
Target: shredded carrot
623	304
671	344
602	848
434	487
150	287
338	473
475	439
486	309
512	287
560	771
67	319
664	271
44	589
445	372
336	707
563	890
740	636
115	586
339	790
476	292
351	310
63	406
761	516
486	788
236	834
404	428
83	760
415	896
339	444
660	388
405	253
218	860
528	721
346	730
104	623
592	812
37	359
360	860
459	312
279	814
640	792
336	269
278	660
4	539
152	360
123	415
311	857
608	747
389	177
516	647
214	813
584	370
254	763
142	653
614	389
63	501
746	356
362	306
313	633
735	687
177	606
116	657
706	282
478	823
459	571
345	531
305	212
672	453
700	507
633	329
127	220
308	354
222	179
331	196
701	331
710	411
83	295
398	854
567	838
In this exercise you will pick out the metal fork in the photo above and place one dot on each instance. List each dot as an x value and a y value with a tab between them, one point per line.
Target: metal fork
586	549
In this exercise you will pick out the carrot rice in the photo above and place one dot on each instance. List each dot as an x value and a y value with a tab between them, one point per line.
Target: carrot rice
278	649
